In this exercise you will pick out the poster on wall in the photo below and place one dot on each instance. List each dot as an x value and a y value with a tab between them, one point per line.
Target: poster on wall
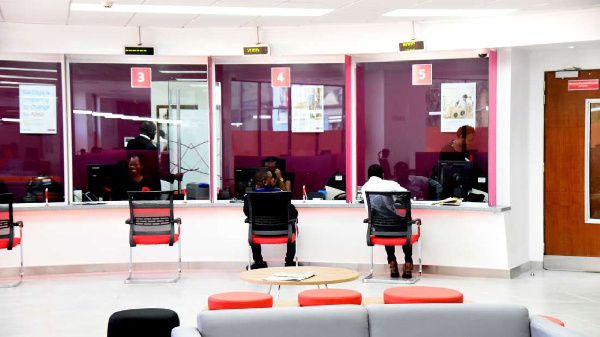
458	105
307	108
37	109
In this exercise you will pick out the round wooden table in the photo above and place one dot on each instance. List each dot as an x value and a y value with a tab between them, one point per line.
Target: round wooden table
323	276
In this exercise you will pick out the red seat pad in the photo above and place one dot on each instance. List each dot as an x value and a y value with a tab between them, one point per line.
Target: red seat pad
272	240
554	320
393	241
154	239
239	300
420	294
4	243
328	297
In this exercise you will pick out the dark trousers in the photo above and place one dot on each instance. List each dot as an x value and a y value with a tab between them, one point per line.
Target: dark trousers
391	253
289	255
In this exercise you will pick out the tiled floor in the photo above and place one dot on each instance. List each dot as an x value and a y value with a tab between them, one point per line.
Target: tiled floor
80	304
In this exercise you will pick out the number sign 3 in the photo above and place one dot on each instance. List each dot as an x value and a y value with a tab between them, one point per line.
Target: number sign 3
141	77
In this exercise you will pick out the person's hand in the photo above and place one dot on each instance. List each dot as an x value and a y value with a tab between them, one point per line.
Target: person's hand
178	176
278	174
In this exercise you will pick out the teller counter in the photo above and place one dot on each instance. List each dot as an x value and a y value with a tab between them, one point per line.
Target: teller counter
469	240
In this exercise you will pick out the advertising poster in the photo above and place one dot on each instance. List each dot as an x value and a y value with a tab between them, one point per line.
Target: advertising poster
458	105
307	108
37	108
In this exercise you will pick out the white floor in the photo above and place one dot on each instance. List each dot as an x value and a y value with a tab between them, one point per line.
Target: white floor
80	304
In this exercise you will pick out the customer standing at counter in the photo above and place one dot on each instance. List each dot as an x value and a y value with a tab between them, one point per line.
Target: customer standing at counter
376	183
142	147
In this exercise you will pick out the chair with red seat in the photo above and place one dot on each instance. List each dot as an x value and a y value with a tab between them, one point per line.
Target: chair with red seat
152	222
270	220
390	224
8	240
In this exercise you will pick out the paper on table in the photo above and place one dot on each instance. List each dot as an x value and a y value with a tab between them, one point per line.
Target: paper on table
284	276
449	202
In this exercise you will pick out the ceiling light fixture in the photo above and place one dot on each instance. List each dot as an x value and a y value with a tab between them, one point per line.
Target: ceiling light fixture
202	10
448	12
571	47
29	77
182	71
28	69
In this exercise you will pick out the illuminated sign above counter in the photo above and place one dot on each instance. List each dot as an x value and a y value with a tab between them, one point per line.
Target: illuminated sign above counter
412	45
261	49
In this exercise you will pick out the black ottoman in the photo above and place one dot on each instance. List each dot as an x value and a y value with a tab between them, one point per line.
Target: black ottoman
149	322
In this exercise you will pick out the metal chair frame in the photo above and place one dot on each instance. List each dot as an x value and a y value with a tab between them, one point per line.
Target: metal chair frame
406	220
7	198
254	219
132	196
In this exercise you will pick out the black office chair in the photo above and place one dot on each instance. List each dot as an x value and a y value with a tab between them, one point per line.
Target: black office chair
270	220
152	223
8	240
390	224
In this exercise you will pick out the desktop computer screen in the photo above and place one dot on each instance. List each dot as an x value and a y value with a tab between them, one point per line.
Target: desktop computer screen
244	180
456	178
107	181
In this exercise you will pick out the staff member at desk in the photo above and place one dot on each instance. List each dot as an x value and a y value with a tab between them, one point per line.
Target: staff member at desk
376	183
457	149
266	183
280	179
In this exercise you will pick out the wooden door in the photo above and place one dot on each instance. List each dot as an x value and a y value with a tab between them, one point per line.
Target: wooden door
565	230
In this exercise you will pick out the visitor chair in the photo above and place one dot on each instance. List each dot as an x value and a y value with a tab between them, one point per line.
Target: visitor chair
270	220
390	224
151	222
8	240
148	322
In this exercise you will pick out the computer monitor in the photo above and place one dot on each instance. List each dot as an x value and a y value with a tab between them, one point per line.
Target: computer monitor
456	178
107	181
244	180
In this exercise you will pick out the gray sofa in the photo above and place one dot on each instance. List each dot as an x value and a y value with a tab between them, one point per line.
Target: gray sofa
422	320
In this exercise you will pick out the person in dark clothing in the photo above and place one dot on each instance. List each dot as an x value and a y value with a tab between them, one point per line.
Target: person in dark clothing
266	183
142	147
457	149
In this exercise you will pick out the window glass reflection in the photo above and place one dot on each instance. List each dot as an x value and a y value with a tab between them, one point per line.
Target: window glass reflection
594	161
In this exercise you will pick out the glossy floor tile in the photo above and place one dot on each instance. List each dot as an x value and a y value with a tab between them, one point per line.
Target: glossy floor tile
80	304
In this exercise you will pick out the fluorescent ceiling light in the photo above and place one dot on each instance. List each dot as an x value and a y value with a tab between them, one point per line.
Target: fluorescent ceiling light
237	124
182	71
448	12
29	77
28	69
203	10
190	79
16	120
262	117
24	83
82	112
8	87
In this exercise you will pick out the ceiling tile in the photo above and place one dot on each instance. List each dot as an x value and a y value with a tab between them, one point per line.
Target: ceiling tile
219	21
160	20
36	11
103	19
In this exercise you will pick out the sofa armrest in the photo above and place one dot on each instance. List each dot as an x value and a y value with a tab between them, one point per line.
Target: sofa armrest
185	331
542	327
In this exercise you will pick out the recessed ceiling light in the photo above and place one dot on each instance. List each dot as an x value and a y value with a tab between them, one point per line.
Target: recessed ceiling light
571	47
204	10
448	12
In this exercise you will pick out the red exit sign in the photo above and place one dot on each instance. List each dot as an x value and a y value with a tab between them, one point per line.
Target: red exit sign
583	85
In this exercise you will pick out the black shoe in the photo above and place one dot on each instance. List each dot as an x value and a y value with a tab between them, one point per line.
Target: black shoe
258	265
290	264
407	270
394	270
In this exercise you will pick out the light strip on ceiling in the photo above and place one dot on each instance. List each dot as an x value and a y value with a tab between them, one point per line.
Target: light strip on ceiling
448	12
203	10
28	77
28	69
15	120
182	71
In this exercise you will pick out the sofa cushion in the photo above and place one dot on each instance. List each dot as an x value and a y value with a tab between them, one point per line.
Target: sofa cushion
331	321
432	320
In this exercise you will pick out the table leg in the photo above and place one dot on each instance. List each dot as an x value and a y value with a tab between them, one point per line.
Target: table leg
270	287
278	288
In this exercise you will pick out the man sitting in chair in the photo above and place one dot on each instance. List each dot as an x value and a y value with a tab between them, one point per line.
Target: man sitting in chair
376	183
265	182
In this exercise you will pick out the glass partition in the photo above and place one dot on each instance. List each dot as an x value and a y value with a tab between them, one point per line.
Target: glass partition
31	131
426	123
592	161
300	127
113	104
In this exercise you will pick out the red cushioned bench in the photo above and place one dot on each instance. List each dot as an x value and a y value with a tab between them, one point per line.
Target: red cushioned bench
327	296
239	300
421	294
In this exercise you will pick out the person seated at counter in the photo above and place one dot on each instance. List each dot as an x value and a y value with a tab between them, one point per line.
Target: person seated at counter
421	188
459	148
137	181
376	183
282	181
265	182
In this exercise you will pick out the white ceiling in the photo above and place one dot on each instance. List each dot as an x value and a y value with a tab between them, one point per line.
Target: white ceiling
57	12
